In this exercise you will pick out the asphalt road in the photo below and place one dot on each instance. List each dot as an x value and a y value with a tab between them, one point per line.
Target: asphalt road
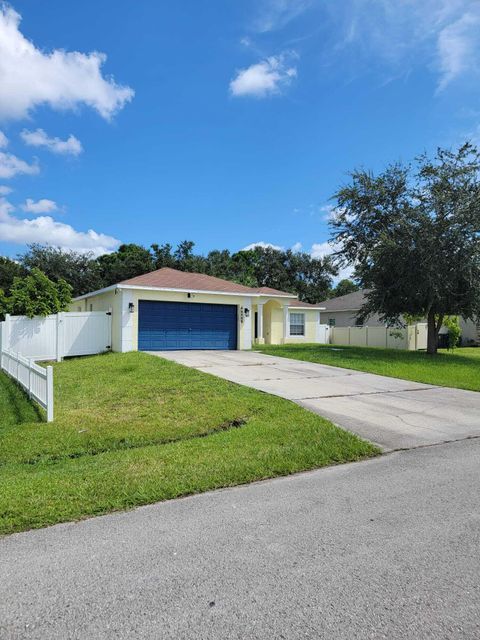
393	413
387	548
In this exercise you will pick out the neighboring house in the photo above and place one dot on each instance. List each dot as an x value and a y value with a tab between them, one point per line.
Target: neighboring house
342	312
169	309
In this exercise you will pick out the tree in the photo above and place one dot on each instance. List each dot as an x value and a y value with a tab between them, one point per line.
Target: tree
80	270
36	295
129	261
186	260
162	255
9	270
344	287
413	235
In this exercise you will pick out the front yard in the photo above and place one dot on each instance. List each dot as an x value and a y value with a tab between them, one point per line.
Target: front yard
459	368
132	429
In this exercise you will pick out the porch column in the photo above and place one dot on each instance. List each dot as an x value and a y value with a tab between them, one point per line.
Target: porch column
260	322
286	319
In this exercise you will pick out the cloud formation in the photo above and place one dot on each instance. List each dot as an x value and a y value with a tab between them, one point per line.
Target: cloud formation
38	138
44	205
263	245
264	78
11	166
276	14
46	230
30	77
443	35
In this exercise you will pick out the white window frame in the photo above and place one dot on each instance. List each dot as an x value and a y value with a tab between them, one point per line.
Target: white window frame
296	335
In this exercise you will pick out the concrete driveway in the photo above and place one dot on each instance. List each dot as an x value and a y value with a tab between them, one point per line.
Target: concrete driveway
386	548
396	414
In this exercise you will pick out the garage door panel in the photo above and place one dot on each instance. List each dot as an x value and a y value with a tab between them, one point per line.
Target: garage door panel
186	325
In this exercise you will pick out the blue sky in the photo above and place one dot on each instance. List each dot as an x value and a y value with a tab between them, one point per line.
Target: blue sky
224	122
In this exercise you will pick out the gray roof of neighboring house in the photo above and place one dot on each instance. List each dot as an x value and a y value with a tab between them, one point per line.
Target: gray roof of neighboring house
350	302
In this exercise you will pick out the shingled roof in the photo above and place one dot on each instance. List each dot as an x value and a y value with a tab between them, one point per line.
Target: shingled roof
167	278
349	302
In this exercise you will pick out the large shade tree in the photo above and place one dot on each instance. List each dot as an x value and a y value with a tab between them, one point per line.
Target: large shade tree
412	233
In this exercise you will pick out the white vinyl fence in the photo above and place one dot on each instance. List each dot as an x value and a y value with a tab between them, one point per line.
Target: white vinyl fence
37	381
57	336
24	340
412	338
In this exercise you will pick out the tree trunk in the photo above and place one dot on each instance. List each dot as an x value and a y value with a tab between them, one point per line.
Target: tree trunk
432	333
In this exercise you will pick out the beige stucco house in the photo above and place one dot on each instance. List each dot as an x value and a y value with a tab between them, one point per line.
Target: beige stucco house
169	309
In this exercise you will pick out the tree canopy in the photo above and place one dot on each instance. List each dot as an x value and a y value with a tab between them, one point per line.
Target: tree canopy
299	273
35	295
344	287
412	233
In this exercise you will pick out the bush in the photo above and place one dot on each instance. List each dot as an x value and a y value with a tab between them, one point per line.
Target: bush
453	326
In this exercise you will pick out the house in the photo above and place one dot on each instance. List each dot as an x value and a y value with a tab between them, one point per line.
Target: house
342	312
169	309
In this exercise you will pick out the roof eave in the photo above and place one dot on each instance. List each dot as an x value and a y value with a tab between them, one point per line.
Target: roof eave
243	294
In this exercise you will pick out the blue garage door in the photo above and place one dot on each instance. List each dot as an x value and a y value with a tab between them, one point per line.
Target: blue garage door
186	325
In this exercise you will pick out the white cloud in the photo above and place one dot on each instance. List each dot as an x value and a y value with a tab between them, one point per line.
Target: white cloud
276	14
11	166
458	47
264	78
324	249
40	206
30	77
46	230
263	245
442	35
4	190
297	246
39	138
3	140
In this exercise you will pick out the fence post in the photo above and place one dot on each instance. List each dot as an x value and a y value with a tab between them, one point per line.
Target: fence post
6	332
59	337
349	336
30	377
49	394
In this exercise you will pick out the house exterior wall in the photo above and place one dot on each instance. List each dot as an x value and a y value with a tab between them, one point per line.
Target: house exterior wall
274	328
348	319
311	322
125	323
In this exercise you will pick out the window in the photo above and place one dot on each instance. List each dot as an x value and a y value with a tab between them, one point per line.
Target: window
331	322
297	324
358	322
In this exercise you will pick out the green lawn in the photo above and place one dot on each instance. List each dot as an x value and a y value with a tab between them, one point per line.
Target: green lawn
132	429
460	368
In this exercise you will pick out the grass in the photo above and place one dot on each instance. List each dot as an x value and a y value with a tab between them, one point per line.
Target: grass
132	429
459	368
